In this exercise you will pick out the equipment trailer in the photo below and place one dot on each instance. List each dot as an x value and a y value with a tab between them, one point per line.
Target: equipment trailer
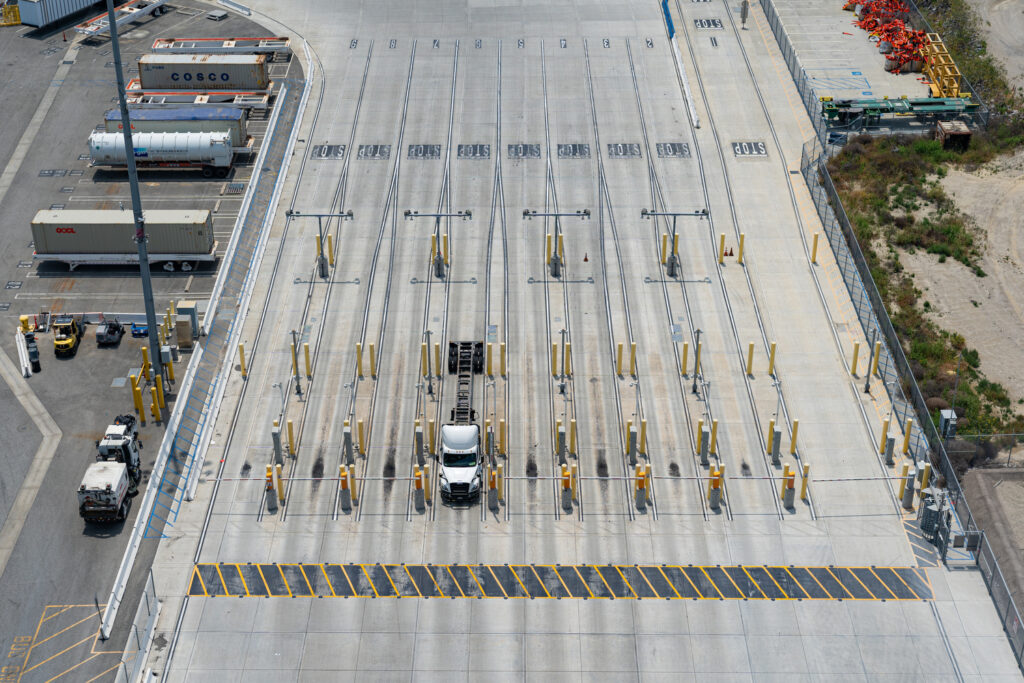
461	462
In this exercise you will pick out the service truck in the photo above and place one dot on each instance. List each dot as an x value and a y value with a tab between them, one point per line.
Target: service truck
109	483
460	457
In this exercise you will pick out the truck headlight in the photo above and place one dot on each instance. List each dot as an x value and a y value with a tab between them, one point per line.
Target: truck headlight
444	484
475	484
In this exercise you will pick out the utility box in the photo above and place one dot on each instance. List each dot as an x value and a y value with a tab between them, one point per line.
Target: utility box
947	424
188	308
954	135
183	330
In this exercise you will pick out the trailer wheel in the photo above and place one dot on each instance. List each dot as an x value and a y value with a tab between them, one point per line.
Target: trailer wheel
207	172
222	172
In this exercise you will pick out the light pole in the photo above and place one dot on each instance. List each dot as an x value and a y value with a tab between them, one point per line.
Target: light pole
438	257
777	383
321	260
283	398
672	261
555	263
696	360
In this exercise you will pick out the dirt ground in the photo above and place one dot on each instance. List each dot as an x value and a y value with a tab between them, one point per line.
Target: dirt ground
996	498
1003	21
987	311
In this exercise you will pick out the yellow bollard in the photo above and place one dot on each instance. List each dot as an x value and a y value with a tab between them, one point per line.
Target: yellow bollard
487	436
785	480
853	363
771	360
739	255
319	247
700	433
343	477
648	480
721	249
642	446
291	437
771	434
884	437
136	394
903	481
269	485
433	247
241	360
561	247
664	248
924	478
574	480
713	446
426	481
566	477
437	358
814	249
712	481
554	359
361	426
629	428
803	482
686	354
424	360
501	437
750	359
908	429
444	244
567	360
170	369
359	359
280	483
330	250
145	356
721	477
675	245
160	391
632	358
618	360
502	354
352	483
572	436
558	428
490	356
309	368
430	435
874	360
696	359
295	360
792	439
501	481
638	473
373	360
154	407
547	258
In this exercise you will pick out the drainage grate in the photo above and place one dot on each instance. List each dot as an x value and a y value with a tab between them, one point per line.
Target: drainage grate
56	207
234	188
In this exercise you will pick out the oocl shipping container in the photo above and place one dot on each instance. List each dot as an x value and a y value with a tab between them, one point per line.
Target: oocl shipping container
108	236
229	120
203	72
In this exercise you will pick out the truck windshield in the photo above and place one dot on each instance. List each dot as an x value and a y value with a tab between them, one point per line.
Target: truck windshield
459	459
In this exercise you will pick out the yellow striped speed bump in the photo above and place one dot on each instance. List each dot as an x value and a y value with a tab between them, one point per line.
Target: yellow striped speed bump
538	581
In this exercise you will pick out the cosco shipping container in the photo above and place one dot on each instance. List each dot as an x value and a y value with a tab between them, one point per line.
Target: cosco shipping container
181	234
229	120
45	12
203	72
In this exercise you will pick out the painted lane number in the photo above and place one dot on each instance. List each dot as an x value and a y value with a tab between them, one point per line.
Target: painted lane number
715	24
749	149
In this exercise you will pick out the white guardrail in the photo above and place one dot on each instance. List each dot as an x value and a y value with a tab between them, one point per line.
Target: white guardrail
138	529
238	7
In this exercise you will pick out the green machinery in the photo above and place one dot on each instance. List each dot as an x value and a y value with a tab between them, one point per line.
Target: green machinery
861	113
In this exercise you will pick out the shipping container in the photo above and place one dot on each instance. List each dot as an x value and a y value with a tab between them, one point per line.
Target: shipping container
203	72
231	120
112	231
209	150
45	12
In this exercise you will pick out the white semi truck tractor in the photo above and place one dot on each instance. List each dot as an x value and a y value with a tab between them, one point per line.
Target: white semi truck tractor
110	483
460	457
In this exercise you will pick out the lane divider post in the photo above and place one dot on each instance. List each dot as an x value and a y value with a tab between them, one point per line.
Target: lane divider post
241	361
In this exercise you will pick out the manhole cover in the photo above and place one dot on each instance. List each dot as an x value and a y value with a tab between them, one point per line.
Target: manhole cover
24	264
14	284
119	382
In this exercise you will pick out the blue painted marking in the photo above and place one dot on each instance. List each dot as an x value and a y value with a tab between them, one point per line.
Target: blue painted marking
866	92
856	73
668	19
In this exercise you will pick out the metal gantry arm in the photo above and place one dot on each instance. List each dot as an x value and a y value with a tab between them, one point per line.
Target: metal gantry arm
321	260
439	259
555	259
672	259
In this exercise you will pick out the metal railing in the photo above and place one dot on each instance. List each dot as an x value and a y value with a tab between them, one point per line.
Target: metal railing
141	634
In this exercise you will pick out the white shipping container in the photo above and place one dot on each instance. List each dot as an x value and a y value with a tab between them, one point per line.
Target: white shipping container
45	12
203	72
210	149
184	119
112	231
